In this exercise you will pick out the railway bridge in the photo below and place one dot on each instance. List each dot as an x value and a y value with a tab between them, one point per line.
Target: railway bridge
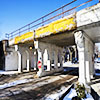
40	44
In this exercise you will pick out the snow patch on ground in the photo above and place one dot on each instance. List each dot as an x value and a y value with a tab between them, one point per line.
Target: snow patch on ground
57	95
6	85
8	72
67	64
69	96
73	93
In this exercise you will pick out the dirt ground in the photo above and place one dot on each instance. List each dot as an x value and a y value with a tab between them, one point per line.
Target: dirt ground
38	88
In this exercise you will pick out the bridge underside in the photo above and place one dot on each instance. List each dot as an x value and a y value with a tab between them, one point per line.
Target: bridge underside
61	39
92	30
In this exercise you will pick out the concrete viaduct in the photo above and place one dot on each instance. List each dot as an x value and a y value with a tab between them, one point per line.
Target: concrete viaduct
44	45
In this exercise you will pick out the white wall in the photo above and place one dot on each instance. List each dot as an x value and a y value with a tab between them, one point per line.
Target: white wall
11	61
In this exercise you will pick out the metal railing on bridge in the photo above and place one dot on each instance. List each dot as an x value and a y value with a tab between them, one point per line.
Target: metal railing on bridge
52	16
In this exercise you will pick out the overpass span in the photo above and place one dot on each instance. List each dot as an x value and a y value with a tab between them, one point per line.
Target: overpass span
45	43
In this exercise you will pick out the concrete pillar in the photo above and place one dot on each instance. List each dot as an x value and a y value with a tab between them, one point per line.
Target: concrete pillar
48	65
89	54
19	62
45	58
75	49
82	66
83	42
40	58
19	58
87	60
28	61
71	56
48	61
56	60
92	69
35	59
60	58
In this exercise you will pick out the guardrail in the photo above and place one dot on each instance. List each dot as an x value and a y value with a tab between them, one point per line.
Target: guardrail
52	16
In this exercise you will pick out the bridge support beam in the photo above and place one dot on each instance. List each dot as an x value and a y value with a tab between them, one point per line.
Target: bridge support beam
19	62
28	61
19	58
86	50
40	63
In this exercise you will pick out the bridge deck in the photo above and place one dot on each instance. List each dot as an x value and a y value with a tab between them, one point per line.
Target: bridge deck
65	23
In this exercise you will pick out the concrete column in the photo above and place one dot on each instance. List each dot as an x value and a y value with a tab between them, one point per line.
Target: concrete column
83	42
40	58
61	58
87	58
48	61
45	57
75	49
28	61
35	59
56	60
92	69
69	55
19	58
48	65
82	67
19	62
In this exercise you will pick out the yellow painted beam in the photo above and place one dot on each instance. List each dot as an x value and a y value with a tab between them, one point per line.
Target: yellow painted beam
64	25
55	27
24	37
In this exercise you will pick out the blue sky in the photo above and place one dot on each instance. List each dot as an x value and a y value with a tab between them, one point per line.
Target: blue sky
17	13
